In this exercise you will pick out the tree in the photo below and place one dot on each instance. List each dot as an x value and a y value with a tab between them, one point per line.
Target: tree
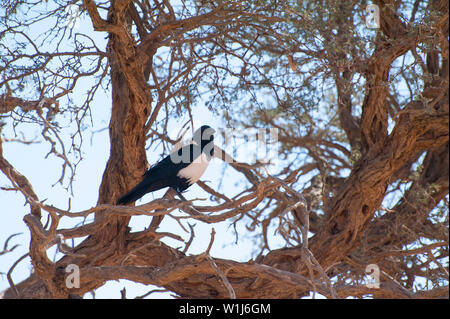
362	118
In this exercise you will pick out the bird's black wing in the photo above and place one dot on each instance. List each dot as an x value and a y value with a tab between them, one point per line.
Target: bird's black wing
163	174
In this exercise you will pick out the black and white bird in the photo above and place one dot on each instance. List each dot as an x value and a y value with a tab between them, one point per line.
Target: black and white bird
179	170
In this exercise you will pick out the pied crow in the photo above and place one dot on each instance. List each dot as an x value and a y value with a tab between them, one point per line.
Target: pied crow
179	170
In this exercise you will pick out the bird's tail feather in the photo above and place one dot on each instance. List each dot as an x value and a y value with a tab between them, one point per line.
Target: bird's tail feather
137	192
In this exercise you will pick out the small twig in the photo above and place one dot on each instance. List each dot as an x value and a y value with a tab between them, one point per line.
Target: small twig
150	292
177	219
307	260
322	272
191	238
213	264
10	281
63	248
397	284
211	241
5	247
223	277
430	254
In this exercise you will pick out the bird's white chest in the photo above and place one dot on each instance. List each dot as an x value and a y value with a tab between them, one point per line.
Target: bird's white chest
195	170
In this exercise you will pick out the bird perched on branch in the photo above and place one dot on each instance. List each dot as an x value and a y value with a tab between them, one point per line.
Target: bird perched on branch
179	170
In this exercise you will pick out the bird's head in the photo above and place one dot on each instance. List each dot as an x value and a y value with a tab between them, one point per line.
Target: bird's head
204	136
